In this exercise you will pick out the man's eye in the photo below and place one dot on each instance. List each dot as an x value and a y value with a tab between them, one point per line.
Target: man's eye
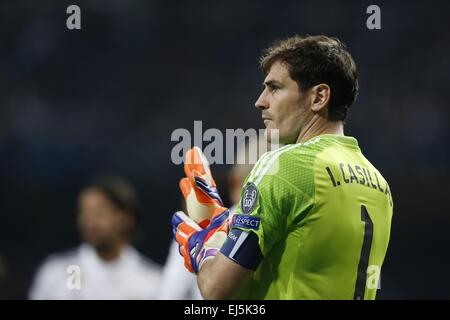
273	88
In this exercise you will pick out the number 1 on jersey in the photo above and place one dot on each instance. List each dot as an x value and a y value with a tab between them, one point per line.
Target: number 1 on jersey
361	278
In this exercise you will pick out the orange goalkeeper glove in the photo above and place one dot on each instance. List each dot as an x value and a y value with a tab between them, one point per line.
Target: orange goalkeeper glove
197	245
199	188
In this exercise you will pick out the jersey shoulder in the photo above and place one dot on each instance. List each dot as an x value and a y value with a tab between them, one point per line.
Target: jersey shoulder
50	278
283	180
149	266
292	164
61	259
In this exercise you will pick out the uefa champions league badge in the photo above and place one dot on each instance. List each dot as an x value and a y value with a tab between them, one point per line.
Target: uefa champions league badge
249	198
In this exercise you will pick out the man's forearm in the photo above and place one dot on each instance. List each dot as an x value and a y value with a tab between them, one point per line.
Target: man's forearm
206	281
221	278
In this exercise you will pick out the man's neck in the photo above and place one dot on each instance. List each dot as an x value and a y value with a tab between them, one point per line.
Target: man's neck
111	252
319	125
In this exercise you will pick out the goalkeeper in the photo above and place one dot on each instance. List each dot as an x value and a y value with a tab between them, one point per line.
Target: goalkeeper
315	215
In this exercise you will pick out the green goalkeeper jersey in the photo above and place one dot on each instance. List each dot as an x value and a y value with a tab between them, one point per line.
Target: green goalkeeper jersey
322	213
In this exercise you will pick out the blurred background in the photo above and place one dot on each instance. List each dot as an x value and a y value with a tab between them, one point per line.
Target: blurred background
106	98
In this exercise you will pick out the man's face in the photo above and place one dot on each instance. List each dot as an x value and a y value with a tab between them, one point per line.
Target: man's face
283	106
100	222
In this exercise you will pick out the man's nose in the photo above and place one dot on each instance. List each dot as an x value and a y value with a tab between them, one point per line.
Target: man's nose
262	103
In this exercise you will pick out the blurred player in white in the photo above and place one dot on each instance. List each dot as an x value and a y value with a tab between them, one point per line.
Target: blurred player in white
179	284
110	268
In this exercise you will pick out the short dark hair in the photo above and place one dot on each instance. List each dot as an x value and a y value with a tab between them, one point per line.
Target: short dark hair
119	191
313	60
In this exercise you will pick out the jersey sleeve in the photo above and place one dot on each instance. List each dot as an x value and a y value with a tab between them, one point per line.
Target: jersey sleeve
272	198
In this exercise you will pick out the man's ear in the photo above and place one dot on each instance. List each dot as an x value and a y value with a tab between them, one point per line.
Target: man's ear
129	221
320	95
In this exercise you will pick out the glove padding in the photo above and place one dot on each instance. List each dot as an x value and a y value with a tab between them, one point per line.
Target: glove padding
199	188
197	245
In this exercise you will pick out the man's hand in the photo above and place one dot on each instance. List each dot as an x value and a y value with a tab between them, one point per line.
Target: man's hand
197	245
199	188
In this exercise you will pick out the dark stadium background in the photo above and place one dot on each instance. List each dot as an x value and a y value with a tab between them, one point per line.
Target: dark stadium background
107	98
